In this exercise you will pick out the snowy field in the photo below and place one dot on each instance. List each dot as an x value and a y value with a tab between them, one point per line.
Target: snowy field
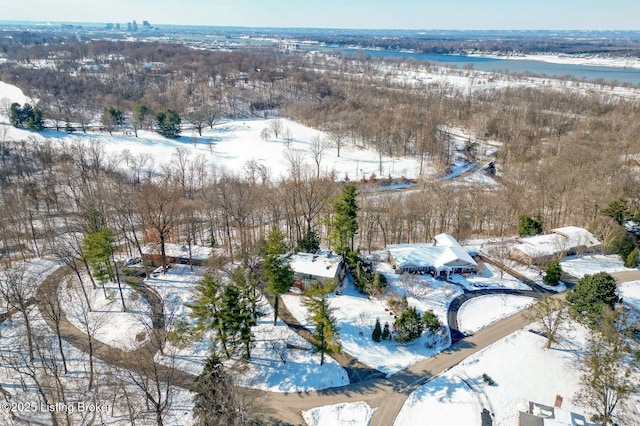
587	264
522	370
479	312
234	146
346	414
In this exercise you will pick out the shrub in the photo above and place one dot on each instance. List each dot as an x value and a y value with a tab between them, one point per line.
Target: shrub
377	332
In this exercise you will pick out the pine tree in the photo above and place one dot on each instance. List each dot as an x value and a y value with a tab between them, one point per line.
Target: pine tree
591	297
206	309
214	397
409	325
98	248
325	338
431	322
344	220
168	123
554	271
309	243
377	331
632	259
276	269
386	332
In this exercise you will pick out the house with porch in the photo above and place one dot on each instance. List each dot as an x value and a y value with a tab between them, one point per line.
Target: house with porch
442	258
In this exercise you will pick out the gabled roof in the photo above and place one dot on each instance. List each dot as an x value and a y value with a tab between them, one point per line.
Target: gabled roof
560	239
322	264
438	257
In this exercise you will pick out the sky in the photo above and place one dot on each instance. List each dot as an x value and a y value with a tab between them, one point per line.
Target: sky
373	14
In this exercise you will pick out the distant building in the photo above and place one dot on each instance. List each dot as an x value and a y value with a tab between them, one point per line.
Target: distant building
560	242
320	267
442	258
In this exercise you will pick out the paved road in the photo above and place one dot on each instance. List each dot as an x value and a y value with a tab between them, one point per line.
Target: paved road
386	394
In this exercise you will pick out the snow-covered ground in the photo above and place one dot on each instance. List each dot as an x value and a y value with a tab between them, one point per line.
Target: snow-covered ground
103	315
630	293
356	317
522	371
590	60
479	312
234	146
266	371
587	264
345	414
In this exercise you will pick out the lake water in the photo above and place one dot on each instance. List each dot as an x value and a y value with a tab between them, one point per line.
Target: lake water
575	72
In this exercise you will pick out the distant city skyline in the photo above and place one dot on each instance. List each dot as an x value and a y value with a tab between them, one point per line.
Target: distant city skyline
360	14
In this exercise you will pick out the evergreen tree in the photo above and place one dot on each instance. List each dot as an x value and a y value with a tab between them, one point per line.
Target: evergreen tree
386	332
325	338
431	322
98	249
377	331
26	117
631	260
528	226
206	310
591	296
310	242
554	271
344	220
408	326
140	112
213	400
168	123
608	379
276	268
618	210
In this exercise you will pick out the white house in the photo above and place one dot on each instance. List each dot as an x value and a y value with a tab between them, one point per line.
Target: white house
319	266
560	242
442	258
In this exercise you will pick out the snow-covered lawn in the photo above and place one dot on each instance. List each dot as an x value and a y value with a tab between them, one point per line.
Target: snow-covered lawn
266	371
479	312
356	316
522	370
630	293
106	320
587	264
448	400
345	414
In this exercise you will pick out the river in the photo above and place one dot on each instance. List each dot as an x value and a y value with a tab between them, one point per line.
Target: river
513	66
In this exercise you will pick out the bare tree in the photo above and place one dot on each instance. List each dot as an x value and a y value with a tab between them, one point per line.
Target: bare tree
551	314
18	289
158	206
90	324
276	126
317	150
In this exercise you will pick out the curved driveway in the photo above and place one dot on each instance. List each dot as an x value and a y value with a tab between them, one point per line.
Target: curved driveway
386	394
